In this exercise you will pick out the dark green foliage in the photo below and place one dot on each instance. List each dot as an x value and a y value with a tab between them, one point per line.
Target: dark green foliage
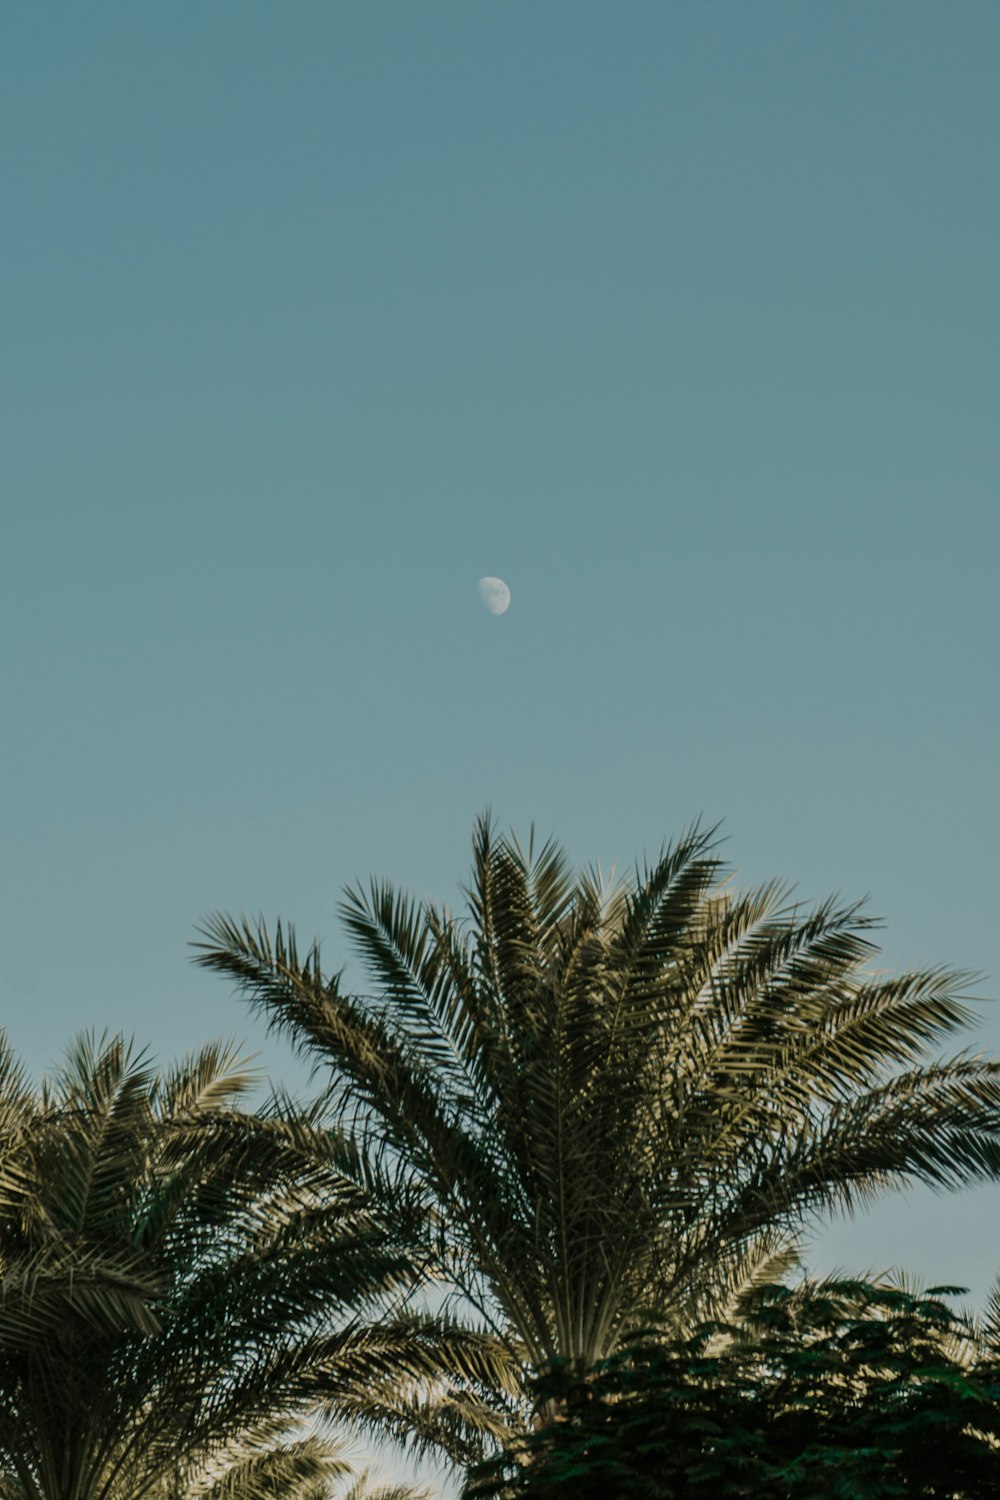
837	1391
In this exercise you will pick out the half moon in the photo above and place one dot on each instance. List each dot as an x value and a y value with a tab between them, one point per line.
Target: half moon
495	595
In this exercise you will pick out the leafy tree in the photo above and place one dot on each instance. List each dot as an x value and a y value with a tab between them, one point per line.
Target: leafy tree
835	1391
622	1101
233	1279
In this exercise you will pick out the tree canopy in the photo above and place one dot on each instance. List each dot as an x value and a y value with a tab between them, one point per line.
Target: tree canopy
828	1391
182	1281
623	1100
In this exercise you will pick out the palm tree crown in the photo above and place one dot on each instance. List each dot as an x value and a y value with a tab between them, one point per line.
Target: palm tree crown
181	1281
618	1101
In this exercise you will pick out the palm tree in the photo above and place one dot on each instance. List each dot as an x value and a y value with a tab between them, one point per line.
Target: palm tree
207	1277
619	1101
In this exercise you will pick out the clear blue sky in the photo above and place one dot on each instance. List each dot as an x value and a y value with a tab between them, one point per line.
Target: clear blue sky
680	317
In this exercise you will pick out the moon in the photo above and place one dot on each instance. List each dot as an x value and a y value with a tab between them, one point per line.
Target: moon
495	595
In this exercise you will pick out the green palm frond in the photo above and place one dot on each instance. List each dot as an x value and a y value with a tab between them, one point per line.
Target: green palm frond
367	1487
307	1469
103	1290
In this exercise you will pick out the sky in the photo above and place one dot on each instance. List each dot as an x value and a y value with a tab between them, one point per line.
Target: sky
680	318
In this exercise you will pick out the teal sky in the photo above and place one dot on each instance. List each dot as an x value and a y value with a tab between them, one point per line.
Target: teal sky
680	317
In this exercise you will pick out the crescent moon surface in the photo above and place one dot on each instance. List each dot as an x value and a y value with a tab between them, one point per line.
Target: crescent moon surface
495	595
